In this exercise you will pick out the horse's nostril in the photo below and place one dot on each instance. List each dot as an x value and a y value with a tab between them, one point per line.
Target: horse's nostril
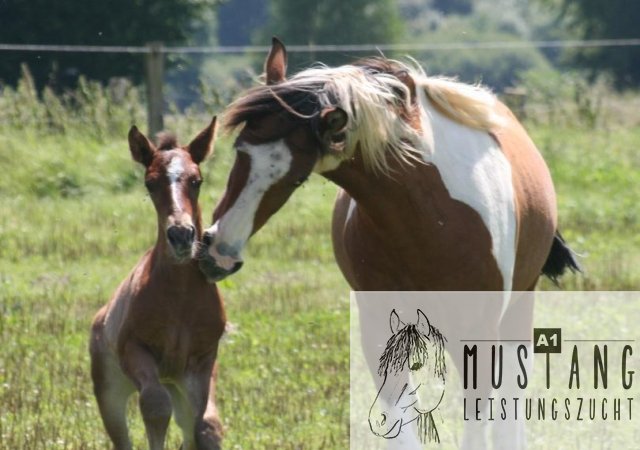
192	233
384	419
207	238
178	235
237	266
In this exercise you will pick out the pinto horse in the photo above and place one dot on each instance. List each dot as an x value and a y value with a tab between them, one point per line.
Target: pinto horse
159	333
441	187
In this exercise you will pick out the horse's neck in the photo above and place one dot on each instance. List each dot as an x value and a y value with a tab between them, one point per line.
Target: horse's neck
376	194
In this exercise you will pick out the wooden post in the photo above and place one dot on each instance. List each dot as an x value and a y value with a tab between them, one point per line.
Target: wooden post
155	77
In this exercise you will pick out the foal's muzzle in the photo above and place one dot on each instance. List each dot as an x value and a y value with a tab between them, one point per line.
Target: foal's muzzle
181	239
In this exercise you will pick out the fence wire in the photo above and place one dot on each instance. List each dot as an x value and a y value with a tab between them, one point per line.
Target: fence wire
492	45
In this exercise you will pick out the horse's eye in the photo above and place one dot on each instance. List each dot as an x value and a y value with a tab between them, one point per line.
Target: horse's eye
300	181
416	366
195	183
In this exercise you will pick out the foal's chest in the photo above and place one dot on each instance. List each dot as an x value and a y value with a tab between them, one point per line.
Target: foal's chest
181	330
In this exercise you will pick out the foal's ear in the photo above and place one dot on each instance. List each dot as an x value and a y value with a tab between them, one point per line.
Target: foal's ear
275	66
202	145
423	324
333	121
395	322
141	148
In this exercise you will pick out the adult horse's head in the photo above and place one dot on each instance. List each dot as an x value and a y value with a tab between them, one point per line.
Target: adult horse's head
413	370
173	180
292	128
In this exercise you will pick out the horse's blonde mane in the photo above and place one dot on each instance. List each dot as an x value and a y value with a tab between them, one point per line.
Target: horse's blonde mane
372	103
377	102
470	105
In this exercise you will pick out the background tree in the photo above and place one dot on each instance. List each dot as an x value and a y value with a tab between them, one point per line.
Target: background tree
596	19
302	22
95	22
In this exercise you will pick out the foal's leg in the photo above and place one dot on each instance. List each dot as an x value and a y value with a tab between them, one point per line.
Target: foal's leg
184	415
155	400
209	429
112	389
196	412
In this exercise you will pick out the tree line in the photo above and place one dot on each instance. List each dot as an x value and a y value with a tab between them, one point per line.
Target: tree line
241	22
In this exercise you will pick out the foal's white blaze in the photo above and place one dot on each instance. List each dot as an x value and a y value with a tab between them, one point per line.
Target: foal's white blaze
174	172
475	171
269	163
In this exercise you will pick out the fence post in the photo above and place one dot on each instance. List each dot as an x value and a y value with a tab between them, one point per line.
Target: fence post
154	60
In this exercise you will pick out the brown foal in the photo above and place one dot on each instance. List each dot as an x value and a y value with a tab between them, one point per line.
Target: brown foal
159	333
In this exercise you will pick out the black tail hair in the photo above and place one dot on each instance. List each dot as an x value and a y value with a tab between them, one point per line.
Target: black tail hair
560	258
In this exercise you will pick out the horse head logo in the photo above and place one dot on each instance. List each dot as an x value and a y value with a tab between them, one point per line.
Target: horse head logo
413	370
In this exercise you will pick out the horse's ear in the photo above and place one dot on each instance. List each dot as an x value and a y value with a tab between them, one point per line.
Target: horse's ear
423	323
275	66
333	121
202	145
395	322
408	81
141	148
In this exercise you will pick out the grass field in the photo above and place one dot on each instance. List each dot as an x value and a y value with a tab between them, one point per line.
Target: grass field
74	218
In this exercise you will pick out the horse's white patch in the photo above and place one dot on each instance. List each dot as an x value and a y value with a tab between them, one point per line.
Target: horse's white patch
269	163
476	172
174	172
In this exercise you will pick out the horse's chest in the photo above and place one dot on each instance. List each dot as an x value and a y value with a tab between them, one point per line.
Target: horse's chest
178	335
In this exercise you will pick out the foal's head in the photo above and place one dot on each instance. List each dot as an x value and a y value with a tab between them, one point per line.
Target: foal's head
173	180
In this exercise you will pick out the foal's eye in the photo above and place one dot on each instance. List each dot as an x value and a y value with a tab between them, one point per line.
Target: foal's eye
195	183
300	181
416	366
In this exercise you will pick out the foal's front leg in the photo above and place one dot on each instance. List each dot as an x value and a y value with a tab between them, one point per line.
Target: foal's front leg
196	412
155	400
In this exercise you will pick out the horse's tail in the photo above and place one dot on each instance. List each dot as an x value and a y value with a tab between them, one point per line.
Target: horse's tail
560	258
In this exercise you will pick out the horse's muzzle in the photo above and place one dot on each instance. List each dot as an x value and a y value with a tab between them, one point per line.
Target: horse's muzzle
214	272
217	261
181	239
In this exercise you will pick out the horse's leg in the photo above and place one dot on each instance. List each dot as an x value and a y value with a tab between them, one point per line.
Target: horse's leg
209	426
196	412
184	415
155	400
112	389
474	435
517	323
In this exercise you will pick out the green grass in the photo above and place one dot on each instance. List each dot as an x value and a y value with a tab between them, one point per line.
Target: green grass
75	218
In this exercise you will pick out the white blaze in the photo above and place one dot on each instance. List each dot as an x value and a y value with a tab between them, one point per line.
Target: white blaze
269	163
174	172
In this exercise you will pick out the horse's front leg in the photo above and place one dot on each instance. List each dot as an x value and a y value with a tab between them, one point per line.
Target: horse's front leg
155	400
517	324
196	411
476	404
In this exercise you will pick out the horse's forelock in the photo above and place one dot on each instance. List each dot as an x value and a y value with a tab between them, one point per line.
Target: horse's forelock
166	141
410	341
300	102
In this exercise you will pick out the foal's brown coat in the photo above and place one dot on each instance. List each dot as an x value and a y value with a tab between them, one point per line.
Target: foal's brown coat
159	333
